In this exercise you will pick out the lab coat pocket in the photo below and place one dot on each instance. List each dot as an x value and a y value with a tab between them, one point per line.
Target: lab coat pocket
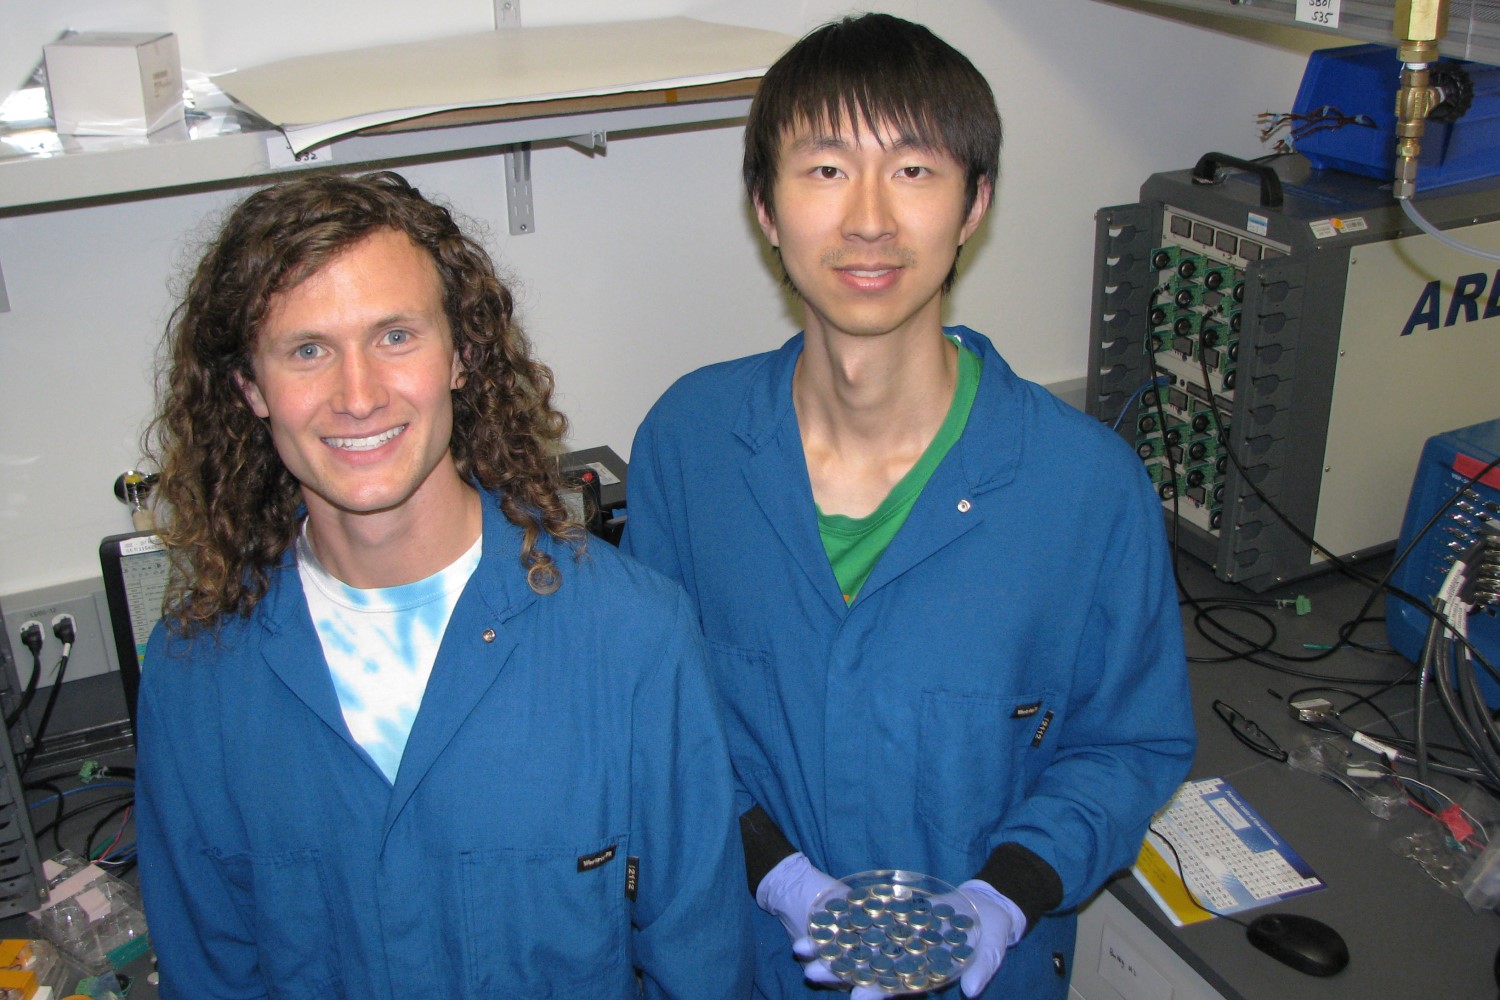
753	719
297	928
547	922
972	761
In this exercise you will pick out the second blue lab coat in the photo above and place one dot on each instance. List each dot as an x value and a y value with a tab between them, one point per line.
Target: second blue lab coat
1012	672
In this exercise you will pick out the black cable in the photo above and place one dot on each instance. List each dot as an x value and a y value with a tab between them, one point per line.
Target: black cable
57	815
1442	680
71	814
1462	701
63	627
31	684
1377	586
1383	584
1482	712
1478	732
1307	539
1384	650
1171	466
1475	741
1359	700
1476	714
1406	743
41	728
1204	612
1333	723
1250	654
1204	615
1182	877
1477	729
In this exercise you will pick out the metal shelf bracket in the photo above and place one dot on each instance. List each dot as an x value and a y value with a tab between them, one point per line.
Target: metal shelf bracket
591	142
518	207
507	13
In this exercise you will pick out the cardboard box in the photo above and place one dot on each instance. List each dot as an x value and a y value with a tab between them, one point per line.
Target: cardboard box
114	83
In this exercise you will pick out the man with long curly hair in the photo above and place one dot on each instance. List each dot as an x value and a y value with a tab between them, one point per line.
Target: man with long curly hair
402	733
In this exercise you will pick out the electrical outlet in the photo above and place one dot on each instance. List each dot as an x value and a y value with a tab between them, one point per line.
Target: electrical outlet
93	647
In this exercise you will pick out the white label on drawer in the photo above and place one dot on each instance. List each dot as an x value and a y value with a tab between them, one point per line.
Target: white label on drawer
1323	13
1122	967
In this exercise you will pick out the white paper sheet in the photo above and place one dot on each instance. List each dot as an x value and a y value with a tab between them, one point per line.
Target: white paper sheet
316	98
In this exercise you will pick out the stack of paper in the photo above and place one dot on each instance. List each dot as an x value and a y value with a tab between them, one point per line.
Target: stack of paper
317	98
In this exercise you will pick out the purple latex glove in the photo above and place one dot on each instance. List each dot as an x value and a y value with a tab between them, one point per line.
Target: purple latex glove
788	890
1001	924
787	893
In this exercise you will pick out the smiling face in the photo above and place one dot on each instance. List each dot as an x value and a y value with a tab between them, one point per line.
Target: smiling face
868	227
353	371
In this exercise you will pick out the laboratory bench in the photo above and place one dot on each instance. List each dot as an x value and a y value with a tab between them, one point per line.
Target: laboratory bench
1407	936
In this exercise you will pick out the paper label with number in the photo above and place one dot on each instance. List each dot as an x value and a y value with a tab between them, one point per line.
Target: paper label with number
1323	13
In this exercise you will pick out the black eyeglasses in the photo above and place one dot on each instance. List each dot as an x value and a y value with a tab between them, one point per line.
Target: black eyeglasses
1248	732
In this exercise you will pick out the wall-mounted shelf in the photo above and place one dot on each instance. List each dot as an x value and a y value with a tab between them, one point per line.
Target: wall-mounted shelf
231	149
472	94
1473	25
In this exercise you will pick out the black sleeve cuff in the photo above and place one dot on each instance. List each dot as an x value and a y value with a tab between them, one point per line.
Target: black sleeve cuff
765	845
1020	875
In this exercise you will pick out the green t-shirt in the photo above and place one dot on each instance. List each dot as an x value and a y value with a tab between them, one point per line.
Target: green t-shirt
855	544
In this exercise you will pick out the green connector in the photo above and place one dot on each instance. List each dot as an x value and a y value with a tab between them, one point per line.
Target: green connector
1222	280
1163	258
1191	285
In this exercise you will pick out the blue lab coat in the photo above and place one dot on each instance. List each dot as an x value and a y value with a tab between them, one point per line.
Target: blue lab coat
1012	671
560	736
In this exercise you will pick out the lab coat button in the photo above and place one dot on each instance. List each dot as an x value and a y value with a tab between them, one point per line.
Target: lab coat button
963	506
489	635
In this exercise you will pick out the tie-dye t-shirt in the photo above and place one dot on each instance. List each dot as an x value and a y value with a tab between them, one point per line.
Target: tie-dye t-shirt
380	645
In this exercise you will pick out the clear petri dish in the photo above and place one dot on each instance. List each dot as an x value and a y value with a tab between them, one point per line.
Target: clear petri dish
898	931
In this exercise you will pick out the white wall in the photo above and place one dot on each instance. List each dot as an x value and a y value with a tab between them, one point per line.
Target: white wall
645	262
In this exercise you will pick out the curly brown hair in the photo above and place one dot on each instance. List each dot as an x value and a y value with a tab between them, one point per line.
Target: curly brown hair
228	507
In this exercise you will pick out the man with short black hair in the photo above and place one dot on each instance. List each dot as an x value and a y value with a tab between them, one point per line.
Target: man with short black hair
937	600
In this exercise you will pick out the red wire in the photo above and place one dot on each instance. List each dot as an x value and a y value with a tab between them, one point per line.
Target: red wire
119	835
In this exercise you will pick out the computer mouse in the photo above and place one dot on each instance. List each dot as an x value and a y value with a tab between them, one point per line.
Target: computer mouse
1305	944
